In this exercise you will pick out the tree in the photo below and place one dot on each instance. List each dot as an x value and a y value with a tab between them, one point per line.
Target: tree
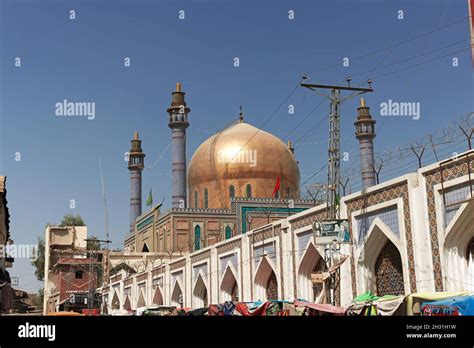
72	220
39	299
38	262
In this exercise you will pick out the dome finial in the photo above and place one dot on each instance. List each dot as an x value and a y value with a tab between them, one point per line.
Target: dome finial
241	114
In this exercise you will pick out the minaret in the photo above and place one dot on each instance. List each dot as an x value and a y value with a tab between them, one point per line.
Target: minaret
365	133
136	160
178	122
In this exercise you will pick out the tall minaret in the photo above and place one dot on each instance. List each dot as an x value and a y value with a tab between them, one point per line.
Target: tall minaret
365	133
136	160
178	122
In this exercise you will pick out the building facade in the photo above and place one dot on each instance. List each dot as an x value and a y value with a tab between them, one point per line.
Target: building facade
71	271
6	294
411	234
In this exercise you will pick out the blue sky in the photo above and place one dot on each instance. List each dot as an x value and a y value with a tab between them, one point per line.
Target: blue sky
82	60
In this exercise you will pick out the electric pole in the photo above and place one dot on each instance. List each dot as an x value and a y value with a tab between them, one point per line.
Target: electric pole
334	145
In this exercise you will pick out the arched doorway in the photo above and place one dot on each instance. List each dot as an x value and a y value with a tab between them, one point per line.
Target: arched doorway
115	301
312	262
200	298
389	271
266	283
229	286
141	299
127	305
272	287
158	297
177	296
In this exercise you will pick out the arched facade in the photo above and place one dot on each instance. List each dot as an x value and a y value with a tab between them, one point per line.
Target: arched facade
229	286
141	299
176	295
311	262
458	246
381	262
115	301
200	294
158	297
266	283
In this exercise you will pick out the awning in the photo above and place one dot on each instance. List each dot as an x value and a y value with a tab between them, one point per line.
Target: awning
322	307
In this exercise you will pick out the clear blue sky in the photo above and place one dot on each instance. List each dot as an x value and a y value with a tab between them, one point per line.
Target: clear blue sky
82	60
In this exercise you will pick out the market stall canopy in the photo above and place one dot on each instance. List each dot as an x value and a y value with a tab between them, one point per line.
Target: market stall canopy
463	305
327	308
413	301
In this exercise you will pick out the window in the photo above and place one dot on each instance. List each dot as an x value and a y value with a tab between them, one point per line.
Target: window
197	237
388	271
206	198
79	274
231	191
195	199
248	191
228	232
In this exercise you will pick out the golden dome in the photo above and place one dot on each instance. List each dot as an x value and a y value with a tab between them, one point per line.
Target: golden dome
245	160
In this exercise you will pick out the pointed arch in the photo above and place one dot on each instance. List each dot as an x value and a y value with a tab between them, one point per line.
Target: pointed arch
389	271
228	232
457	250
248	191
158	297
115	301
206	198
141	299
197	237
311	262
177	295
266	283
200	297
127	305
145	248
395	260
229	286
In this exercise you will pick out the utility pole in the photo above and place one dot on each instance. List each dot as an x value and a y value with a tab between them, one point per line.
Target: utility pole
334	152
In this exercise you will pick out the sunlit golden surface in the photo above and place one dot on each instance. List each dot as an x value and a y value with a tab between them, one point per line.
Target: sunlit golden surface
238	156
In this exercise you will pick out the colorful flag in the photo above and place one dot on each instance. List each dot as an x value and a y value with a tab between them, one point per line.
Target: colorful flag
149	200
277	186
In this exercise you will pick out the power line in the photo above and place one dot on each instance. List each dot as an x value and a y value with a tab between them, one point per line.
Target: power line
398	43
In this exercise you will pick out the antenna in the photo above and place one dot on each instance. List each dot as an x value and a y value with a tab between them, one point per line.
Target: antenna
106	271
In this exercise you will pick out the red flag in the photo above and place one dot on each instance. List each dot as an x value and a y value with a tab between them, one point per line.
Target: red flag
277	186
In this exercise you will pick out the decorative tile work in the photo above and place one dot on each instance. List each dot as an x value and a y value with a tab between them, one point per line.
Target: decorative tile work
157	271
229	246
201	256
308	219
388	215
116	278
142	277
451	170
398	190
264	233
178	264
